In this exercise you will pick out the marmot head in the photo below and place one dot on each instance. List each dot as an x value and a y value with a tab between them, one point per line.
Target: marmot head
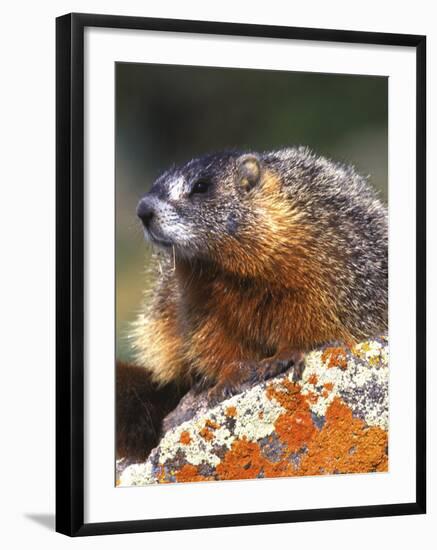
227	208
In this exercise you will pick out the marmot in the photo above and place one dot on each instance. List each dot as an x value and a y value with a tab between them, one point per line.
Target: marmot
260	257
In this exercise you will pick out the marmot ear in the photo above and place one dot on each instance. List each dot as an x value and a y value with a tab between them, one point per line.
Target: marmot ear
248	171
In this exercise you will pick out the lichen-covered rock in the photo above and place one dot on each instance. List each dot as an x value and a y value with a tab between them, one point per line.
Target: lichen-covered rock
334	420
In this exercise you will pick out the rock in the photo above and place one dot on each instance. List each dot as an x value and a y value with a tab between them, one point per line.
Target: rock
190	405
334	420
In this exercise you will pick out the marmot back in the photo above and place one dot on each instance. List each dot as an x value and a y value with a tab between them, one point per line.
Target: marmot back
259	258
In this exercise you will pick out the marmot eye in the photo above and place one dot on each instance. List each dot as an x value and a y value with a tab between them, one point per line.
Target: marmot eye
199	186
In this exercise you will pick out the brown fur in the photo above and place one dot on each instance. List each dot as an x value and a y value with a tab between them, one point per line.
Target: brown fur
140	407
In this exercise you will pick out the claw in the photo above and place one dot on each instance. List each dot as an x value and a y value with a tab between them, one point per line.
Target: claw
298	370
249	374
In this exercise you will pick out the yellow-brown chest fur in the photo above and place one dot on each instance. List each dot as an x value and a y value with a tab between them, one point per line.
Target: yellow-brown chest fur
226	319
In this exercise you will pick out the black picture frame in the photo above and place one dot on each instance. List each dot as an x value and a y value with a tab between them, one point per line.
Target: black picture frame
70	273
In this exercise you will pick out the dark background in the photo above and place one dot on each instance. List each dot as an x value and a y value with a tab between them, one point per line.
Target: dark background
168	114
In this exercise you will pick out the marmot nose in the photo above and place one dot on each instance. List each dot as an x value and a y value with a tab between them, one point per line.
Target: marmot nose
145	210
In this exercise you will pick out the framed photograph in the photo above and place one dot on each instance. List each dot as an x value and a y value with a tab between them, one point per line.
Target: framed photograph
240	274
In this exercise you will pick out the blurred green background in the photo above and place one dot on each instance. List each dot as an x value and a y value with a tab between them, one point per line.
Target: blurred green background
167	114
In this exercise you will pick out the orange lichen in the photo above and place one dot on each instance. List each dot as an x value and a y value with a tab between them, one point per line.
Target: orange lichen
242	461
287	394
282	468
335	357
328	386
345	445
206	433
189	472
295	427
311	397
245	461
161	476
231	411
313	379
211	424
295	430
185	438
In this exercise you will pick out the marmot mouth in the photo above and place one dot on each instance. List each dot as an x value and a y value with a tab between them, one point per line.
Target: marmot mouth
158	240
